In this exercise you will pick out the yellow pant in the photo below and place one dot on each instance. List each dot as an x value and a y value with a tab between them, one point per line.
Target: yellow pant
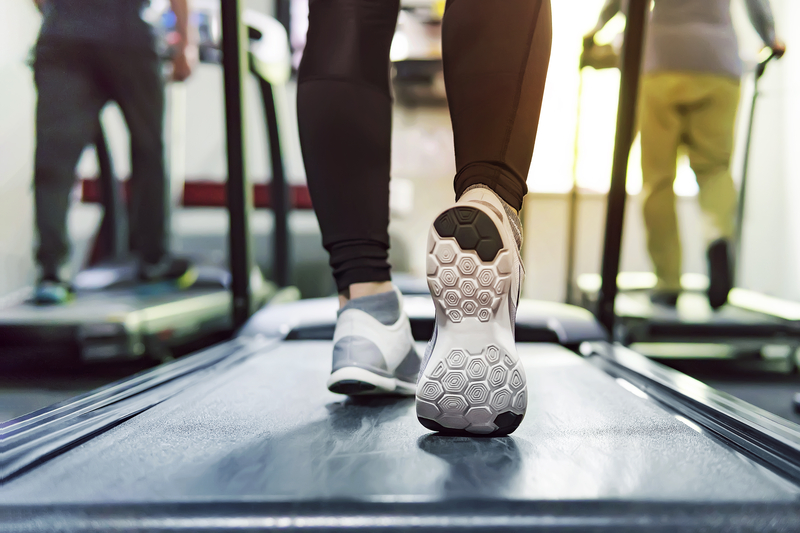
696	112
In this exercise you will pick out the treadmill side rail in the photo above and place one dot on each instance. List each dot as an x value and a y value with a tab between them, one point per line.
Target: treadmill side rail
759	434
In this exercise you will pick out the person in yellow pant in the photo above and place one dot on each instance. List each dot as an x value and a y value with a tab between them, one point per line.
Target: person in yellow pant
697	111
689	99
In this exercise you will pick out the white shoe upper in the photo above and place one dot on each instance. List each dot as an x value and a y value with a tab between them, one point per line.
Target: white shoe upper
362	341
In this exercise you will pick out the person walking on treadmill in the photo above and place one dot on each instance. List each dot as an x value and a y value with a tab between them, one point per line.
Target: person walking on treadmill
90	52
495	54
689	98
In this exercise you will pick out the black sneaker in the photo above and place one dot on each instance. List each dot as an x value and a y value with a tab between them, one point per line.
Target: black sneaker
170	268
53	292
665	298
720	280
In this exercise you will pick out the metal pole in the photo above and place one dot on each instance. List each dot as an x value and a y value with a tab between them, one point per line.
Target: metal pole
638	11
279	190
760	69
239	195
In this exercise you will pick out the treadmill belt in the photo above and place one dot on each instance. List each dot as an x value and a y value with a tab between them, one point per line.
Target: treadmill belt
266	429
691	309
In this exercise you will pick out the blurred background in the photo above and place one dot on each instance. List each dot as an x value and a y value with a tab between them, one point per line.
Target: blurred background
423	157
423	161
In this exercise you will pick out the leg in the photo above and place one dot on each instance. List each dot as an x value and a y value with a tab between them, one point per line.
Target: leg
711	124
66	117
344	112
661	135
495	54
495	63
133	80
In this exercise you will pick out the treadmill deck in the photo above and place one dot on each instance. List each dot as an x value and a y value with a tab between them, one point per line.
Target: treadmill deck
266	429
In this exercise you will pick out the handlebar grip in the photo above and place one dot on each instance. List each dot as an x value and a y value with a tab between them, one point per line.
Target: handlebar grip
762	66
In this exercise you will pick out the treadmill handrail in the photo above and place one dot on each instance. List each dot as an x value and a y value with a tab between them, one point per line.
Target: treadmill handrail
632	51
758	433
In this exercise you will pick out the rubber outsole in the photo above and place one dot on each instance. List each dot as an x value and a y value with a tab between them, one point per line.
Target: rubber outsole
507	422
352	387
472	229
472	387
355	381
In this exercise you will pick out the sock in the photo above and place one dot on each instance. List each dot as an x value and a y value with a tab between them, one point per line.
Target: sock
511	213
383	307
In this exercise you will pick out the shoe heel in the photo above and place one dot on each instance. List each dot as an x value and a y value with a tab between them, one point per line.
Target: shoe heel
468	266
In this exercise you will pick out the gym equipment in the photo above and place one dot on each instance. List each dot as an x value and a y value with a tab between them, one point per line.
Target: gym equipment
114	315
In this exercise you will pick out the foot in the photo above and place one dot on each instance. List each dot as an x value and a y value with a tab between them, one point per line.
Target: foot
53	292
472	382
170	268
373	349
720	279
665	298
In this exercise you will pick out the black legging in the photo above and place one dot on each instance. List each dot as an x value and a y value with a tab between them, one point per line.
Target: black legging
495	55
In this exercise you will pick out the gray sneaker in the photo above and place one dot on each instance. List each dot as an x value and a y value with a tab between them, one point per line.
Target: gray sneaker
373	349
472	382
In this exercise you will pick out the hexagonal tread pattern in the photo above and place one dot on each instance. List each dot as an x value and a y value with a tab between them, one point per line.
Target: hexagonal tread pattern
472	394
465	279
472	229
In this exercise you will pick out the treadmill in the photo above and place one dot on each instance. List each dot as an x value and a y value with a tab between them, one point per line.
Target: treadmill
244	436
749	325
114	316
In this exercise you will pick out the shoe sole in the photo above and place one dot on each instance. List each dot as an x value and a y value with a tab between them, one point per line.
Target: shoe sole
354	381
473	384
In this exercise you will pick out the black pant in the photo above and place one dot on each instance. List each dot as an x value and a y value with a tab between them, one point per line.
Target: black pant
75	80
495	63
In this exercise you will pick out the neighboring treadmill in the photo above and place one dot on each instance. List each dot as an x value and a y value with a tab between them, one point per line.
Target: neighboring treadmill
115	316
751	324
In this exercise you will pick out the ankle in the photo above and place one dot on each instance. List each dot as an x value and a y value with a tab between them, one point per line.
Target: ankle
359	290
384	306
511	212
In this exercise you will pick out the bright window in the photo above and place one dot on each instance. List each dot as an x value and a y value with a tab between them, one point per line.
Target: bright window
553	158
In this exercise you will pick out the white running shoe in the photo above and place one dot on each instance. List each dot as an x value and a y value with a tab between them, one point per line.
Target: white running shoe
472	382
371	357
